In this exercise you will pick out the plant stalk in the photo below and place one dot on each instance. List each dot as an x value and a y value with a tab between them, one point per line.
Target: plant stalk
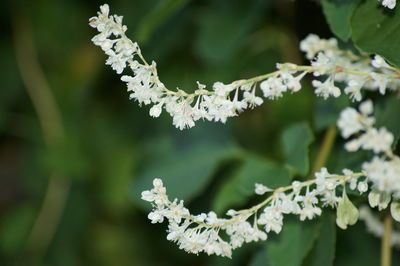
386	244
325	149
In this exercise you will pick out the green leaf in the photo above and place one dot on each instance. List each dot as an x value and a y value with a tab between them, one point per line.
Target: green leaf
327	111
338	14
293	243
237	21
375	30
185	172
323	252
160	13
240	187
14	228
296	141
260	259
356	247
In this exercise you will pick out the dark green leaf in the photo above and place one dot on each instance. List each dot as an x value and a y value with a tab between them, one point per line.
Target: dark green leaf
375	30
185	172
293	243
357	247
296	141
260	258
338	14
240	187
327	111
323	252
14	229
159	13
237	21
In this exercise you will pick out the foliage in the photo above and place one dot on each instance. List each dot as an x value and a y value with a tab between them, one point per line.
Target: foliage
112	150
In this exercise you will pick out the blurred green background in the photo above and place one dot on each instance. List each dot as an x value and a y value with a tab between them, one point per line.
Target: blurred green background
75	152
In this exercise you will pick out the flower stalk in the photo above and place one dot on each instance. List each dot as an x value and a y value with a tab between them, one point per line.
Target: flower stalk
386	245
228	100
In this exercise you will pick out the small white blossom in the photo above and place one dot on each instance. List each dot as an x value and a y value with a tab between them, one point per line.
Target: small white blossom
366	108
349	122
353	88
155	111
381	82
389	3
312	45
326	88
362	186
379	62
377	140
384	174
261	189
395	210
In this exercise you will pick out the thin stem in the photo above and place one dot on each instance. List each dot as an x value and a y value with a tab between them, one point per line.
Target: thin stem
49	116
386	244
325	149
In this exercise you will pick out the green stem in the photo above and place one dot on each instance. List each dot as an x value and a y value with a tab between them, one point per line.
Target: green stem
386	244
326	148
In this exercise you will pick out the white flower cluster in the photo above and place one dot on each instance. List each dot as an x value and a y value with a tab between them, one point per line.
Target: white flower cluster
389	3
375	226
384	169
202	233
356	72
227	100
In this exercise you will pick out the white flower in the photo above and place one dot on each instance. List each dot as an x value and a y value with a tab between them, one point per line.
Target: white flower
384	174
323	63
272	219
309	208
251	98
362	186
313	44
389	3
349	122
367	108
378	199
273	87
322	181
354	89
261	189
156	216
292	83
326	88
379	62
380	81
395	210
377	140
155	111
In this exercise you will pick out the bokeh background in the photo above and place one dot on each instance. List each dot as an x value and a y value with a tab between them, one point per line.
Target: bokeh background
75	152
